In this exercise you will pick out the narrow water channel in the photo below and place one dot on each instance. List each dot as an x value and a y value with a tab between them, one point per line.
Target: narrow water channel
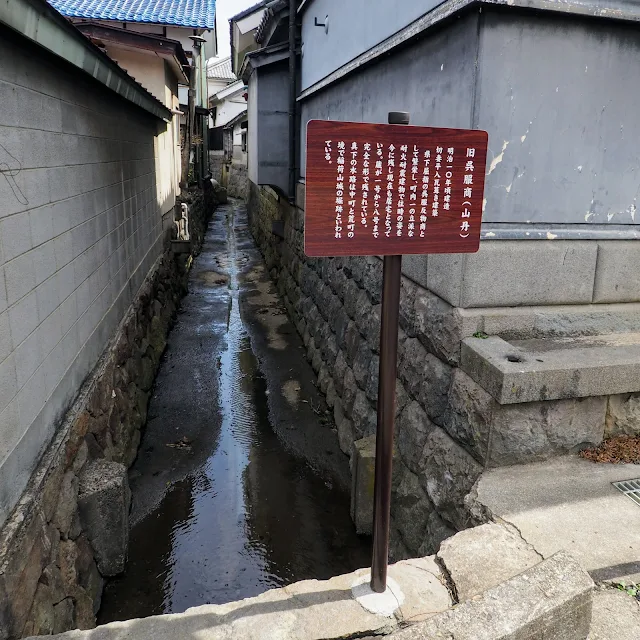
239	485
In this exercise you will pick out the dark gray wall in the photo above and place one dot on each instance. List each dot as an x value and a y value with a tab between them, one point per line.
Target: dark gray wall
354	27
556	94
272	139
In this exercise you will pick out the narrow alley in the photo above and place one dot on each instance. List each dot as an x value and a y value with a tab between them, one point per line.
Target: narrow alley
240	485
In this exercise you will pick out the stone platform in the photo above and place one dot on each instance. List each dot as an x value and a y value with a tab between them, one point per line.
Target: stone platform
534	370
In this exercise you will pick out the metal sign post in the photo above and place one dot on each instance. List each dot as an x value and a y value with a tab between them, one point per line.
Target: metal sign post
389	320
388	190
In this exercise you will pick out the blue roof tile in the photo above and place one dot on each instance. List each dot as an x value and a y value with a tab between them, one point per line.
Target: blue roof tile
200	14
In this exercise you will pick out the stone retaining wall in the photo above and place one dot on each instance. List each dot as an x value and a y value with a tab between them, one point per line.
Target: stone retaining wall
217	164
238	181
445	420
63	538
335	305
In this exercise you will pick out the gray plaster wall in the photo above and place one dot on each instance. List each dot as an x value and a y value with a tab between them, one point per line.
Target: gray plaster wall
552	90
554	93
563	175
271	92
354	27
252	131
414	79
80	227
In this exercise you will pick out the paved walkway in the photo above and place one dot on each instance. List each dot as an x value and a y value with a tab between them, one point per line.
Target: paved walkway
569	503
616	616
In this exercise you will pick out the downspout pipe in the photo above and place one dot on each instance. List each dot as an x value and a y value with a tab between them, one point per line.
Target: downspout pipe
292	100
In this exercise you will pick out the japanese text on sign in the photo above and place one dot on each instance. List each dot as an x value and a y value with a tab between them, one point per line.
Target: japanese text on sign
388	189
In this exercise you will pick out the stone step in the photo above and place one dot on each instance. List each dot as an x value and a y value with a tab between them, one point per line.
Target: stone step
340	607
520	371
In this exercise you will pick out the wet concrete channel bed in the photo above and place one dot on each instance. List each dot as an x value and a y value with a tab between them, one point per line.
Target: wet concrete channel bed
240	485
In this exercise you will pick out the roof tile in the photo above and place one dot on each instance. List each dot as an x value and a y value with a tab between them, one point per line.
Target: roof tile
220	69
181	13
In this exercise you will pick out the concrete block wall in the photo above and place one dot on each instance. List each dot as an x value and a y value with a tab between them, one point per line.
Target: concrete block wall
80	227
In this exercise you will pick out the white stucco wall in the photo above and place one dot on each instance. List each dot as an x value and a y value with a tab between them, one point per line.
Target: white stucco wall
155	75
229	109
146	68
80	227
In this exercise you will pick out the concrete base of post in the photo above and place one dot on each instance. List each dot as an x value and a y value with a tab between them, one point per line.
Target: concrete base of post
382	604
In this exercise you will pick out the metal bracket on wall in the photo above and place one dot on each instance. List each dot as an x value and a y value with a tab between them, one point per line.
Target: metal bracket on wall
324	24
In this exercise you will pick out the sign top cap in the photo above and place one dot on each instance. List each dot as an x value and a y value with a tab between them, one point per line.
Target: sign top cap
399	117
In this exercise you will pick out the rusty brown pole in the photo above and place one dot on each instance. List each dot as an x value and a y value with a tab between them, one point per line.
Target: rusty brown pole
391	277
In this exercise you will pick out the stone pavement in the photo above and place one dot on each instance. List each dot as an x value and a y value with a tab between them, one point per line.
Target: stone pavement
568	503
509	592
307	610
616	616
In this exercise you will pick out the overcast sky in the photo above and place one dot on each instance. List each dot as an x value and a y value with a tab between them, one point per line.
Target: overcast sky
226	9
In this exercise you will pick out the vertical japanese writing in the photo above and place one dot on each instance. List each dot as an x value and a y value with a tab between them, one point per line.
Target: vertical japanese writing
391	163
467	193
366	174
396	190
448	177
339	190
377	195
353	180
402	189
435	199
424	195
413	190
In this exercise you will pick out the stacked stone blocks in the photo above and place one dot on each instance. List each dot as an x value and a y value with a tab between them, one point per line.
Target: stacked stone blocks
448	428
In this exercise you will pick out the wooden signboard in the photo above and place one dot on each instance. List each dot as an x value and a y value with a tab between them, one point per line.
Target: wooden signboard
380	189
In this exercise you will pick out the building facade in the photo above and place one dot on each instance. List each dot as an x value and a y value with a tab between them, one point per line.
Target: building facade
558	257
193	26
88	183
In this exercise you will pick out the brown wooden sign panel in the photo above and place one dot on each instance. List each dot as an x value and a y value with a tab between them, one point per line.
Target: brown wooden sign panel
380	189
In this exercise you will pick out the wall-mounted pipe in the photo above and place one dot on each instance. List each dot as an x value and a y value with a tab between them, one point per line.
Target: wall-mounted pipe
292	100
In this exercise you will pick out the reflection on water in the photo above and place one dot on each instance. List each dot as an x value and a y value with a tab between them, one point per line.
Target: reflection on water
252	517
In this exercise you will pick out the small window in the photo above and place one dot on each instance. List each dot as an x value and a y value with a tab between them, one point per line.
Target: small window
244	141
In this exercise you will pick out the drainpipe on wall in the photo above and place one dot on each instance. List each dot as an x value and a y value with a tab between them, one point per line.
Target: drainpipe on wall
199	164
186	157
292	100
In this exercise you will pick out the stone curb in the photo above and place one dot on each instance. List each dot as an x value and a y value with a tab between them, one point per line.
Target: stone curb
551	600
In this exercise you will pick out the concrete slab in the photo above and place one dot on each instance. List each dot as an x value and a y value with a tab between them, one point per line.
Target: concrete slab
568	503
480	558
615	616
551	320
308	610
550	600
553	368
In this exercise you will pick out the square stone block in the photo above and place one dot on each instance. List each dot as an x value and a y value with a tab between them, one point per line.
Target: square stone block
617	277
500	435
520	272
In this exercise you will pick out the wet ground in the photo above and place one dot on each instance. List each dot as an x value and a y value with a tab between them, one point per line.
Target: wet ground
239	485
